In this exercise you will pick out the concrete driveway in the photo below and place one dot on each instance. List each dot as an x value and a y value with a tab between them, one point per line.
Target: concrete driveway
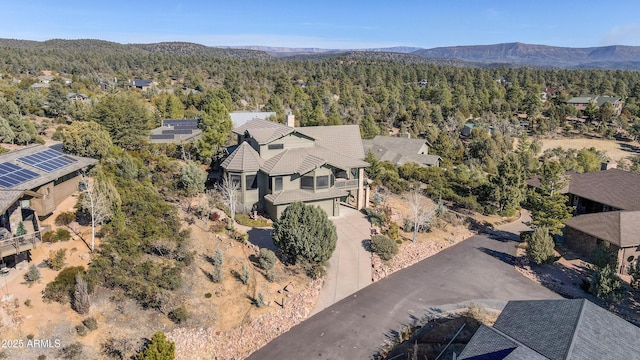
349	268
356	327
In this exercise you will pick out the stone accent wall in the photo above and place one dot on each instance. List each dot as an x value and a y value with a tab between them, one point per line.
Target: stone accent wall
579	241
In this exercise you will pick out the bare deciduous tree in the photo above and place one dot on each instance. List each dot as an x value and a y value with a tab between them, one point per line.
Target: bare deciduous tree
229	193
421	212
81	301
99	199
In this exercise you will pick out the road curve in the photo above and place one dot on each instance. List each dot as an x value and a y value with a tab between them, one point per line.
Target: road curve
480	267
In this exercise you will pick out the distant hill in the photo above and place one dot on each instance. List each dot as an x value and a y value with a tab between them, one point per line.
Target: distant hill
606	57
508	54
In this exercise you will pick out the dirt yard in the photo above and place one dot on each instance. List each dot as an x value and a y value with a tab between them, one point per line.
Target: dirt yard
224	321
616	150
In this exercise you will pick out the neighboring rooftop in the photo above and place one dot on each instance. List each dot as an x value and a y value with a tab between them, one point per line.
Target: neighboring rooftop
400	150
555	330
598	100
45	170
176	131
620	228
239	118
614	187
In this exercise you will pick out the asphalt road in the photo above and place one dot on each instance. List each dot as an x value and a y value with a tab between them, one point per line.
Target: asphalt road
480	267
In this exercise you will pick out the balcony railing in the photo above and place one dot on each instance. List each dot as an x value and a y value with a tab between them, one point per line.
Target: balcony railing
18	244
346	184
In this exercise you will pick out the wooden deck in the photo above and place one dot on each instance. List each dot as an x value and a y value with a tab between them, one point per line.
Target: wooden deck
18	244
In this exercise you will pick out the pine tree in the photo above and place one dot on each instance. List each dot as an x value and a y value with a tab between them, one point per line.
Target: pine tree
160	348
540	247
606	285
508	186
547	204
305	235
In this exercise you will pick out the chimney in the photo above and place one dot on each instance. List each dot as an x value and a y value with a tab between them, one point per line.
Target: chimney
608	165
290	119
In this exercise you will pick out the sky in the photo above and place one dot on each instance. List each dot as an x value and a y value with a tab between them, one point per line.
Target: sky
328	24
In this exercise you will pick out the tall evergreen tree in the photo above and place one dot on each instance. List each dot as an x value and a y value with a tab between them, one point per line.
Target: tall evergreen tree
508	188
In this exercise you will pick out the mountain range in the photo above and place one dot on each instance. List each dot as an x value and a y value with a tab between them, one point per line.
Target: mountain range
507	54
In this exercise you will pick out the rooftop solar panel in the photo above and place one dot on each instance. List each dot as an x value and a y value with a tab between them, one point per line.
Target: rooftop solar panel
48	160
12	175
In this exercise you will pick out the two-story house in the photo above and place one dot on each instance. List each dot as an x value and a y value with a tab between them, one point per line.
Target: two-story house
276	165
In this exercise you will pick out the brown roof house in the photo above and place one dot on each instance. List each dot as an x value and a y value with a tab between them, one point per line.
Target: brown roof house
276	165
401	150
607	212
581	102
33	181
573	329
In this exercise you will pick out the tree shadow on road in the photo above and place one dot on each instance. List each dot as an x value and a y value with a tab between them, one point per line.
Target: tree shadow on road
261	238
504	257
502	236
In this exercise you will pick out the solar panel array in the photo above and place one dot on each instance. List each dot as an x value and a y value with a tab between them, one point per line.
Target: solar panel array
48	160
12	175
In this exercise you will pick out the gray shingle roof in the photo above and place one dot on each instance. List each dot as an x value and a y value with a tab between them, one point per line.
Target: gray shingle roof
264	131
617	227
292	161
399	151
342	139
44	178
488	343
557	330
239	118
289	196
613	187
243	158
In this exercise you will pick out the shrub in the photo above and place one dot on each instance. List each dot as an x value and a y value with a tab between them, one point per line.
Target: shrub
246	220
27	303
49	236
81	330
314	244
376	216
267	259
238	236
160	348
33	274
208	295
61	288
525	236
217	226
393	231
270	275
90	323
218	258
179	315
65	218
606	285
383	247
634	271
72	351
259	301
245	275
56	259
62	235
216	275
540	247
602	256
